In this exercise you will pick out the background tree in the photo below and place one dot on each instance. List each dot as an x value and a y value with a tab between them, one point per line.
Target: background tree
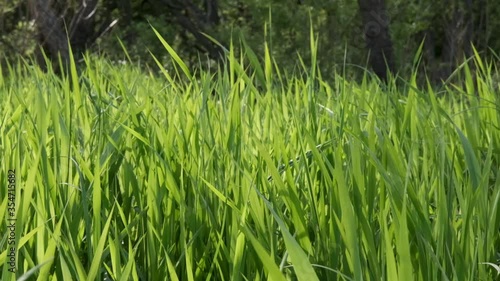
449	41
375	20
447	27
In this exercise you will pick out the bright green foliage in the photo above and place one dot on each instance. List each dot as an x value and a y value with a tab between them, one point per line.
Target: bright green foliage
237	175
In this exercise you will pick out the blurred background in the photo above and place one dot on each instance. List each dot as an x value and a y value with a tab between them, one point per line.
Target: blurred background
347	31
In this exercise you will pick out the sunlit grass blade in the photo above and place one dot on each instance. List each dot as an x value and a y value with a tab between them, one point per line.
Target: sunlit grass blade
174	55
99	249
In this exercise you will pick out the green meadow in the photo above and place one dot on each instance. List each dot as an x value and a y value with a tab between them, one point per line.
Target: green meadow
247	173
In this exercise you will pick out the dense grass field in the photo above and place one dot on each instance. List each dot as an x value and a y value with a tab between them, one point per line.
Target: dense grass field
247	174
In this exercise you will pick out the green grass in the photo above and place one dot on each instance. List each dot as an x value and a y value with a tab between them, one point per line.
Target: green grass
249	174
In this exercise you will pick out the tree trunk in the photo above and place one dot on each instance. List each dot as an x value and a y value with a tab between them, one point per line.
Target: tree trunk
458	35
212	11
446	47
375	20
51	35
83	25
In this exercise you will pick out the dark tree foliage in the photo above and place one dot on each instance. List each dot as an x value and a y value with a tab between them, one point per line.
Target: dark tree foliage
83	22
389	35
194	20
447	44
